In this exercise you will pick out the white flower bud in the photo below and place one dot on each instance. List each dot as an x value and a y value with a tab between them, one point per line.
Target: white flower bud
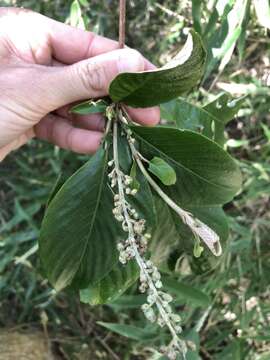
175	318
158	284
120	246
178	329
134	192
167	297
150	315
151	299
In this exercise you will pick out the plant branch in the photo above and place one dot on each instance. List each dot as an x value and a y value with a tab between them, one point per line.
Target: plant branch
122	23
199	229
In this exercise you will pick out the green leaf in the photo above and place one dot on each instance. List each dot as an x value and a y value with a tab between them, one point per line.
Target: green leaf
224	107
206	174
186	292
162	170
222	41
72	247
149	88
76	18
133	173
165	238
209	120
129	331
90	107
128	302
117	281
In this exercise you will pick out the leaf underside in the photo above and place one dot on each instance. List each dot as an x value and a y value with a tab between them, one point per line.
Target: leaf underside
150	88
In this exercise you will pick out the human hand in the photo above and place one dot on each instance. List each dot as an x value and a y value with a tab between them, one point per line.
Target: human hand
45	66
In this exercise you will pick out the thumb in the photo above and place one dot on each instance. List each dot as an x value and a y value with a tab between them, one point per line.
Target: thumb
86	79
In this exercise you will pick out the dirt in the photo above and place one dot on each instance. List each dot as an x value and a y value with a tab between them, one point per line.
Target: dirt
24	346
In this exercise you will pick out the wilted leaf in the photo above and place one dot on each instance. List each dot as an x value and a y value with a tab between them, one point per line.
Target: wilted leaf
149	88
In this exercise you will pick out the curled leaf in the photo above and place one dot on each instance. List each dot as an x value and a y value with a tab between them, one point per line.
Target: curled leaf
150	88
204	232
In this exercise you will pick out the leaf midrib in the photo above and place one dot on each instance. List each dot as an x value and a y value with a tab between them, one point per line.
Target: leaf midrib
181	165
96	208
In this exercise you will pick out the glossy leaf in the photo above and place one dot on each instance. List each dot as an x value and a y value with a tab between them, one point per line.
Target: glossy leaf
149	88
72	247
206	174
162	170
89	107
117	281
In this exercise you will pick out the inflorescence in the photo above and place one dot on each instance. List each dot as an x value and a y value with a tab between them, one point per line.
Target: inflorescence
157	309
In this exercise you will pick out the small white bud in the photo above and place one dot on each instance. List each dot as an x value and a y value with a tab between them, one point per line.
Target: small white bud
110	163
167	297
158	284
176	318
134	192
120	246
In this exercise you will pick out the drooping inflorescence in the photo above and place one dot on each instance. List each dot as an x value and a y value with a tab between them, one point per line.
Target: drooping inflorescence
157	309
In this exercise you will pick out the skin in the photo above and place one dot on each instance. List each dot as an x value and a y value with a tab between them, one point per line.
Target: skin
45	68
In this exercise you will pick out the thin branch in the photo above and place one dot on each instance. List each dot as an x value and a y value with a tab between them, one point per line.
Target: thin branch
122	23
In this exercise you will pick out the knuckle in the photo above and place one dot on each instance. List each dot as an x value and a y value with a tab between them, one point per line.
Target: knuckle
94	77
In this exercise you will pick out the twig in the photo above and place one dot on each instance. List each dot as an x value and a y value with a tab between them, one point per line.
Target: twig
107	347
122	23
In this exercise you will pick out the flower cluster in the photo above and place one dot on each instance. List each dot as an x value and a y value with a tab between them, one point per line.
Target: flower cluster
157	309
129	218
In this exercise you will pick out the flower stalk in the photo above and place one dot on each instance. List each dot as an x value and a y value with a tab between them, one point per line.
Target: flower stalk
157	309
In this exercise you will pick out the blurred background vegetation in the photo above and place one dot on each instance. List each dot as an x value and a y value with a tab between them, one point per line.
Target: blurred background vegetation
225	310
